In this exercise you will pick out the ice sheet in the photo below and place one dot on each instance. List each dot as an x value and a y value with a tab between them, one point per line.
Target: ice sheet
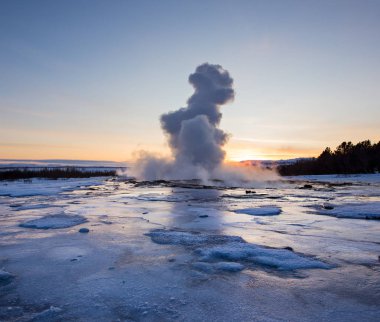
171	253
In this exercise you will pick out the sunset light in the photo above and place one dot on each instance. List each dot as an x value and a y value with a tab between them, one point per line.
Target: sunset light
190	161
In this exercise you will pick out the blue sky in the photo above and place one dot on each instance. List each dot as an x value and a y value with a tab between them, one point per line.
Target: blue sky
89	79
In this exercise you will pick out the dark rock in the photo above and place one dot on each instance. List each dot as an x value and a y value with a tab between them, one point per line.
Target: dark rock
203	216
249	191
307	186
328	207
84	230
289	248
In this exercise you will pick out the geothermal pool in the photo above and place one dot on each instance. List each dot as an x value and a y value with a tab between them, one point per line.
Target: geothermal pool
300	249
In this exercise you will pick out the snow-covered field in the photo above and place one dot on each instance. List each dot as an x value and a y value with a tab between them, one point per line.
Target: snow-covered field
303	249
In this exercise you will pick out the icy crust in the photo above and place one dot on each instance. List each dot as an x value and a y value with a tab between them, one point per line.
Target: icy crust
232	253
18	207
339	178
365	210
180	196
260	211
281	259
161	236
55	221
44	187
162	197
230	267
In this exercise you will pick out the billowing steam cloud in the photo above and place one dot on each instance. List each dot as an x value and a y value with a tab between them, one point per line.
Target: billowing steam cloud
193	135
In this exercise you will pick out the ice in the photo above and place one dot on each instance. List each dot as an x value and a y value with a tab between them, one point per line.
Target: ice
5	277
234	248
365	210
50	314
281	259
204	267
260	211
31	207
161	236
44	187
153	255
229	266
55	221
210	268
341	178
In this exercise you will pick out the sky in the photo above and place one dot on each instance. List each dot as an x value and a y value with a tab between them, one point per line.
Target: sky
89	79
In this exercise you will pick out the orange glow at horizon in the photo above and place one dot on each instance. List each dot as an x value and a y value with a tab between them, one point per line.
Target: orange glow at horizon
117	153
240	152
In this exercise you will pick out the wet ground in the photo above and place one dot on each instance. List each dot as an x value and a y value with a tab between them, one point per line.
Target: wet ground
302	249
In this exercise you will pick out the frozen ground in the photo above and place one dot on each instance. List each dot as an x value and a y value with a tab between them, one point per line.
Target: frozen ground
284	251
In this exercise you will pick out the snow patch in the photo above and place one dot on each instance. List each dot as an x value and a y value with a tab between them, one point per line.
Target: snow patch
161	236
233	250
44	187
281	259
55	221
210	268
260	211
364	210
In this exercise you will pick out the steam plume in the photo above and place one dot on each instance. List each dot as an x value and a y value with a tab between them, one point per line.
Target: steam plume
193	135
192	131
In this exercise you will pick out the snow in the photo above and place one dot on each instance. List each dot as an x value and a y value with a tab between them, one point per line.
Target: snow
55	221
161	236
35	187
260	211
149	256
212	268
369	210
229	266
281	259
340	178
234	248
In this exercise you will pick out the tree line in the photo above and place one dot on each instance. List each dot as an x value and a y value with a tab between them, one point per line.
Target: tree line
53	173
348	158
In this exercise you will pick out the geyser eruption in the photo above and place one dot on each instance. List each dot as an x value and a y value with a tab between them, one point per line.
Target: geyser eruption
194	136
